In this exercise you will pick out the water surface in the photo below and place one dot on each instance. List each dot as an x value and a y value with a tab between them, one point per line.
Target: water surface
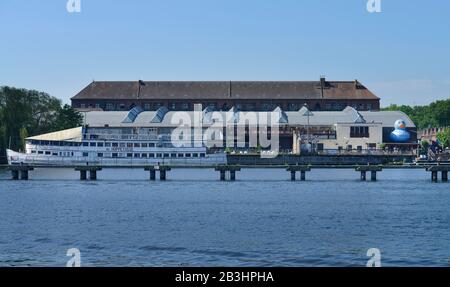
262	219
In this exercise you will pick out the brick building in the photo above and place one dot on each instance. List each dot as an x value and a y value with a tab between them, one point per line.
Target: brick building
320	95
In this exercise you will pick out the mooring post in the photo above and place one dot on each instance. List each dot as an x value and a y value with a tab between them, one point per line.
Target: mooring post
363	175
373	175
24	174
434	176
302	175
293	175
222	175
162	174
444	176
15	174
232	175
152	174
92	174
83	174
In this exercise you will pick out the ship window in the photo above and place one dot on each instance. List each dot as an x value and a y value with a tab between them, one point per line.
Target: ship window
100	154
151	144
144	155
115	144
180	155
55	153
92	144
114	155
166	155
137	145
85	154
85	144
195	154
129	144
144	145
129	155
137	155
33	151
100	144
151	155
188	155
173	155
122	144
107	144
47	153
202	155
158	155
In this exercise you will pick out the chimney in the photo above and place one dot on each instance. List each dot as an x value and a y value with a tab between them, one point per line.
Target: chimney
322	84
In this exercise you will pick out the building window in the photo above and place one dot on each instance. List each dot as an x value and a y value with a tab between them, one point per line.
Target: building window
109	106
97	106
359	132
147	106
83	106
369	107
122	106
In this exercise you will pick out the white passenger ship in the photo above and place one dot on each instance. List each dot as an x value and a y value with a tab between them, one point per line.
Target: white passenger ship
134	138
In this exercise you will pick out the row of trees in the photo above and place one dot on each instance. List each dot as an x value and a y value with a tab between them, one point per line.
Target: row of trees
435	115
25	113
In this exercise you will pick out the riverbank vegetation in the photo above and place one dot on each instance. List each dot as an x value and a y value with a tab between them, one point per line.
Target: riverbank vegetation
26	113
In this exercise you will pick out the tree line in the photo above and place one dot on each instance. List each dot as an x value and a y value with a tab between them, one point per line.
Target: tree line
434	115
25	113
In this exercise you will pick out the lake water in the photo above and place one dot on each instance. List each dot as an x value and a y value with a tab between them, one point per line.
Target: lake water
262	219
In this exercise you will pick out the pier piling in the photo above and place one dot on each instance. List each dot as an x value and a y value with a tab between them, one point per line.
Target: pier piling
92	172
162	175
434	176
301	168
444	176
373	169
232	175
223	169
152	174
363	175
15	174
24	174
93	175
292	175
20	171
373	175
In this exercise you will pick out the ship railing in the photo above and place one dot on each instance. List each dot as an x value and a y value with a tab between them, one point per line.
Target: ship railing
120	162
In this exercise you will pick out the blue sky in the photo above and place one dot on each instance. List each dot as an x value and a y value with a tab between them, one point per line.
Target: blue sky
402	54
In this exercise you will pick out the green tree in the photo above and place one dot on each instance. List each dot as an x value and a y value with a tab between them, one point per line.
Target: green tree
27	112
444	138
437	114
